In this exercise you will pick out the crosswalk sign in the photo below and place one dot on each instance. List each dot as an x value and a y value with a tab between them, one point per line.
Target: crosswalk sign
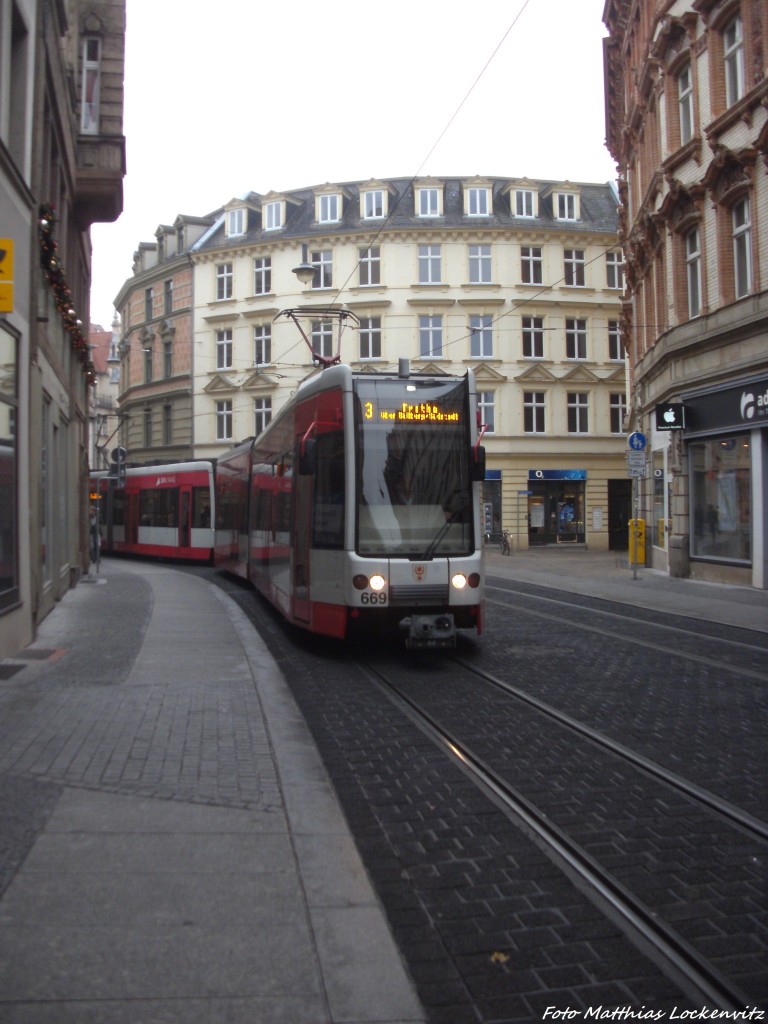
6	275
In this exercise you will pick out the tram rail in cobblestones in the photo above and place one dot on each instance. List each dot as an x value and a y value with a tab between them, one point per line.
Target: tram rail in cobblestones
698	978
712	801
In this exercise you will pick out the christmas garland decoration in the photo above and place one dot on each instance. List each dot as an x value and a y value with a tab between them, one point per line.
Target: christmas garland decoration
62	295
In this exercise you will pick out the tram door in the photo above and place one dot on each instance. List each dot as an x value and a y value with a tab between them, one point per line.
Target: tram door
185	507
132	517
302	510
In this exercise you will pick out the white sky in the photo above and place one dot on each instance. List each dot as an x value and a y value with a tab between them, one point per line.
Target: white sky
234	97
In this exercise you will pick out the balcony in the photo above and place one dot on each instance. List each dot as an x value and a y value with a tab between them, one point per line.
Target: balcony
99	184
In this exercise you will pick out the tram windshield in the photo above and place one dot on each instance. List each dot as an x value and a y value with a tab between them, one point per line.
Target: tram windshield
414	495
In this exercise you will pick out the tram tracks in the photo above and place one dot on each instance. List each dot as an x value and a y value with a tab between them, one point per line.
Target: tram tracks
650	924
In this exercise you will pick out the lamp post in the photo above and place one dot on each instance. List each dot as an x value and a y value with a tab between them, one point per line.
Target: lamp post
305	271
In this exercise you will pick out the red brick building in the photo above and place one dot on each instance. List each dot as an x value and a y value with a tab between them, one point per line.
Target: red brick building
687	123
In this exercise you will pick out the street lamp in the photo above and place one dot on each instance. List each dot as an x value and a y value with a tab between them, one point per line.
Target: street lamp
305	271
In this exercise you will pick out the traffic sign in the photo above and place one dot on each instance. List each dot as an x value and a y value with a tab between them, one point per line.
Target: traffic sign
637	441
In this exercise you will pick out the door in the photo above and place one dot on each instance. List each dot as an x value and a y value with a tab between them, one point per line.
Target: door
302	509
184	514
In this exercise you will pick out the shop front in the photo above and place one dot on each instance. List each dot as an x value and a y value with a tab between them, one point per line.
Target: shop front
726	435
556	506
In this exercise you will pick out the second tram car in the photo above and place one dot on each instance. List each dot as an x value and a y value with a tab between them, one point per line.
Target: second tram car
162	511
361	502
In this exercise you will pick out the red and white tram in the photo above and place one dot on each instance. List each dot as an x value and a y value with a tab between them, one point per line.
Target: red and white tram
361	502
163	511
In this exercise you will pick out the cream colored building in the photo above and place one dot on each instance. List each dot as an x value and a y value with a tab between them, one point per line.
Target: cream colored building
518	280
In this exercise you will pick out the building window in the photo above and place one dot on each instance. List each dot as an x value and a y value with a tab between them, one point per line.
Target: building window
481	332
575	339
533	412
147	428
148	304
168	297
477	204
262	414
224	281
533	337
430	264
224	350
262	345
566	206
235	222
370	337
262	275
742	247
224	420
615	348
614	270
693	265
273	216
733	59
369	266
573	268
322	339
522	203
373	204
148	364
323	264
685	104
428	202
328	209
430	337
480	264
180	239
531	265
167	358
89	115
167	424
578	412
618	412
486	410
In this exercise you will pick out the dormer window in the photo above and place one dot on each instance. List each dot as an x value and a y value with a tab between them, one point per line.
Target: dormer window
523	203
273	216
373	205
89	114
477	201
235	222
566	206
328	209
428	202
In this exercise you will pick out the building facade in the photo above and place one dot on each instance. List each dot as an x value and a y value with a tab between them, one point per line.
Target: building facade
62	161
687	123
103	420
519	280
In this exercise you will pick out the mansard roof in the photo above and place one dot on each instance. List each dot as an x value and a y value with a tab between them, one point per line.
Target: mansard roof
598	208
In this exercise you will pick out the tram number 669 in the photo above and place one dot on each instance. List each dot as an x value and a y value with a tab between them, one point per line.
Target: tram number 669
371	597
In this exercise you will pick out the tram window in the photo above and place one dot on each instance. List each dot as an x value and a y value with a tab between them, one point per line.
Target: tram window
328	519
201	507
118	508
263	516
159	507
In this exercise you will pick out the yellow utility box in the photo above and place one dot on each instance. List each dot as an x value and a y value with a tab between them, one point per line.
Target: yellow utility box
637	541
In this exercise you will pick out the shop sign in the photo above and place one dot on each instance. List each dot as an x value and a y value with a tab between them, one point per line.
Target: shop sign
732	408
6	275
670	416
535	475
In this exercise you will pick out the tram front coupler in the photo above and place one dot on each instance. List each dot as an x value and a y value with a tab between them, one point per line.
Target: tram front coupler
427	632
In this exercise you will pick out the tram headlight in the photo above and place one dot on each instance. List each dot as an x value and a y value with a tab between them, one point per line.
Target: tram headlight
459	580
360	582
378	582
474	580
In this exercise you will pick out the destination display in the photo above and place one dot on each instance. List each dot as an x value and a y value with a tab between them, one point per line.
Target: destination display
423	412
